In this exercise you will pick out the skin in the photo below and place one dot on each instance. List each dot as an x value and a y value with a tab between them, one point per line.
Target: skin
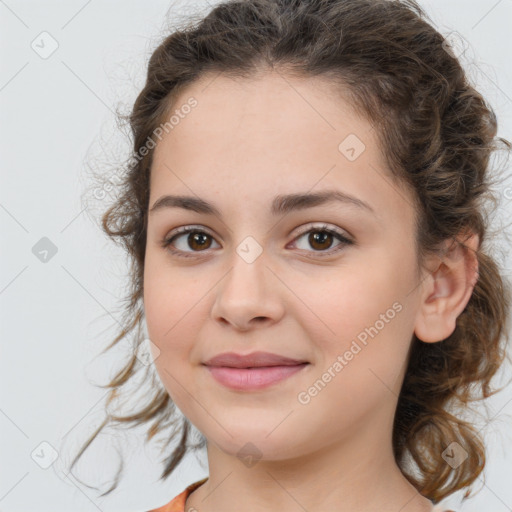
245	142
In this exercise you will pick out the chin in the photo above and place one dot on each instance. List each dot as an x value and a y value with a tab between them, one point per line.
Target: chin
251	447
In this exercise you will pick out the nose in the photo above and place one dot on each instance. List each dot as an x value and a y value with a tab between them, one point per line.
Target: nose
250	295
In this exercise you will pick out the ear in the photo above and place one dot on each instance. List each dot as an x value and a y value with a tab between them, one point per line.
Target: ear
447	288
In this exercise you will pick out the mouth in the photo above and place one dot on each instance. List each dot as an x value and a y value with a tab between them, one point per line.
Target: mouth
254	378
252	360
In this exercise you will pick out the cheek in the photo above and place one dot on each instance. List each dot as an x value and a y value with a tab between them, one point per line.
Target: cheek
363	315
171	317
360	364
350	300
164	306
176	307
168	296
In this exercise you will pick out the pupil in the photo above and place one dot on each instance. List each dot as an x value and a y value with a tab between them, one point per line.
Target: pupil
198	238
319	237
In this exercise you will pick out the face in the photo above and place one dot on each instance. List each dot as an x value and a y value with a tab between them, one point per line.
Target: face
332	283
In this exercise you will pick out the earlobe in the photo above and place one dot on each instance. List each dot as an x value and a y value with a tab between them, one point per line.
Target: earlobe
447	289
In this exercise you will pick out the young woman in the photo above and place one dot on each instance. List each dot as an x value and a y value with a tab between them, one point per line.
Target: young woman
304	209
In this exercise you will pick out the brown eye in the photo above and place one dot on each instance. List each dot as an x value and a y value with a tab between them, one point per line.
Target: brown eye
321	239
196	241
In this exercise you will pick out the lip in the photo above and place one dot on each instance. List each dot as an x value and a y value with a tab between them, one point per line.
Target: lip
253	378
252	360
253	371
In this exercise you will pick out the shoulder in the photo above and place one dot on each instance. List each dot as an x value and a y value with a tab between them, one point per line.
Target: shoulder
440	508
177	504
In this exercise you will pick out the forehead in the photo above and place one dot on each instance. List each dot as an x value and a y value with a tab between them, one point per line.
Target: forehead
238	115
271	134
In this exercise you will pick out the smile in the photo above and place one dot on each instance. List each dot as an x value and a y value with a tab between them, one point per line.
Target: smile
253	378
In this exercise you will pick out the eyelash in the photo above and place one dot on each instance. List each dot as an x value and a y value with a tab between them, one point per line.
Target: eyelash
166	242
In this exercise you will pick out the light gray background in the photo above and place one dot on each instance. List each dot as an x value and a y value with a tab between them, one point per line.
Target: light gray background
57	316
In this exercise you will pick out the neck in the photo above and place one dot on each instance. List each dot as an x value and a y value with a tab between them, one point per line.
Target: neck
355	474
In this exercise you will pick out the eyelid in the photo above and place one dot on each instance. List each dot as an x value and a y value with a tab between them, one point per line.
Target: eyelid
343	237
323	226
169	238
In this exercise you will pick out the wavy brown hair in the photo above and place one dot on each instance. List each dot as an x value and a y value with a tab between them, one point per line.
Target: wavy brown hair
437	134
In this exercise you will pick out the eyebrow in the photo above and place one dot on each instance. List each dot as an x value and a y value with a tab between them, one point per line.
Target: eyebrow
281	204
